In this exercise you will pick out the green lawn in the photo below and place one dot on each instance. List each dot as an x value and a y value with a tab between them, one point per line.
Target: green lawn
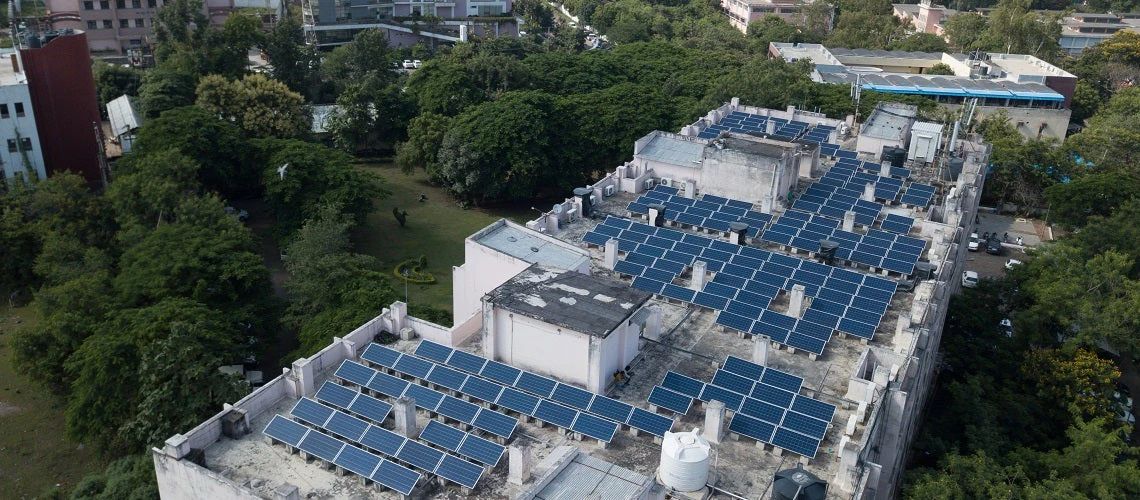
34	455
435	229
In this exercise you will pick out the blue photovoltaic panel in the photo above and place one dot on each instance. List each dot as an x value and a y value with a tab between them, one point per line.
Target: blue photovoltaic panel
420	456
610	408
751	427
413	366
466	361
672	401
857	328
648	285
821	318
767	412
744	368
572	396
795	442
733	382
481	450
627	267
679	292
424	397
354	372
501	373
745	309
451	379
734	321
594	238
346	426
482	389
285	430
783	380
595	427
518	401
433	351
496	423
388	385
397	477
370	408
685	385
731	399
813	408
322	446
774	395
381	355
710	301
555	413
444	436
383	440
458	409
536	384
336	395
357	461
805	425
650	422
720	290
312	412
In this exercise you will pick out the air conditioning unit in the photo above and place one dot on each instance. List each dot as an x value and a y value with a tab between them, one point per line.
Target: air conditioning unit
667	182
609	190
648	184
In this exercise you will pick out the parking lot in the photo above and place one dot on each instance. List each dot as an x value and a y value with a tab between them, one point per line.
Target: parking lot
1032	232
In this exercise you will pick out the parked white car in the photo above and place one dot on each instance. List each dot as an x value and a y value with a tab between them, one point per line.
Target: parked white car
408	64
417	63
974	243
969	279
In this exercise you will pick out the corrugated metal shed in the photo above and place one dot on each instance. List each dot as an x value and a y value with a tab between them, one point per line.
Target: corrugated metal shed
123	116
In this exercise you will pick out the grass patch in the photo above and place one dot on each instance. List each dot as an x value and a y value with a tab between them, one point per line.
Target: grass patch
34	454
435	229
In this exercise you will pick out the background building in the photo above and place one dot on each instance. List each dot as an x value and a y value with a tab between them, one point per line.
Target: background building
49	96
1034	93
335	22
926	16
742	12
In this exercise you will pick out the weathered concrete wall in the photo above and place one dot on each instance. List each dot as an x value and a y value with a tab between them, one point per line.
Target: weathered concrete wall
185	480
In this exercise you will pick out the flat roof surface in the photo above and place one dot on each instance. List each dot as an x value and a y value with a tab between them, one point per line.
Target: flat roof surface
583	303
589	477
122	114
522	243
885	54
9	76
889	122
673	151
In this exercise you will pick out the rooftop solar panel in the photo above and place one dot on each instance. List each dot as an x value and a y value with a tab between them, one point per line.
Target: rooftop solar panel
805	425
395	476
762	410
444	436
672	401
495	423
481	450
433	351
381	355
536	384
732	400
371	408
285	430
572	396
555	413
413	366
383	440
322	446
447	377
518	401
501	373
744	368
354	372
312	412
466	361
388	385
795	442
420	456
457	409
425	398
782	380
685	385
595	427
482	389
346	426
751	427
611	408
357	461
772	394
650	422
336	395
733	382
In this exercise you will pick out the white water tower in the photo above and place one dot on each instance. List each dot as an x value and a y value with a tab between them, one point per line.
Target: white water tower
684	461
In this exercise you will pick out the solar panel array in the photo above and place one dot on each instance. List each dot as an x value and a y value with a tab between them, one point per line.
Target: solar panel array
846	174
836	202
748	279
893	252
384	441
530	394
743	123
331	449
897	224
430	400
710	212
766	403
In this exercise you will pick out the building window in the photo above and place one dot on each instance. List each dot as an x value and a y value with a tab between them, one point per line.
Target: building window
19	110
139	23
120	4
4	111
105	5
136	4
25	144
89	5
107	24
92	25
11	145
152	3
124	23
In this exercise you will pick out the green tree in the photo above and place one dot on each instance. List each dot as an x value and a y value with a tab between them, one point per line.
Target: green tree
112	81
261	106
443	87
148	189
218	145
130	477
293	62
425	136
1097	194
367	55
773	28
964	30
866	24
536	15
940	69
368	116
1014	28
1077	380
920	42
165	89
229	47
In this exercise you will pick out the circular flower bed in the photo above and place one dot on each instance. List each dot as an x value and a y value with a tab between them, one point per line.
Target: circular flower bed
413	271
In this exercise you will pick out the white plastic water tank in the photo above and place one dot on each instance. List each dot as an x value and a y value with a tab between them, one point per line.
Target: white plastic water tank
684	461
